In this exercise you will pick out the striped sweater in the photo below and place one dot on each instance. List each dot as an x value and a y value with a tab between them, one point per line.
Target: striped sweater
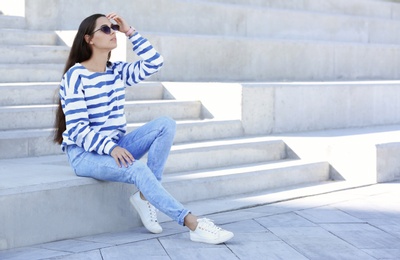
93	102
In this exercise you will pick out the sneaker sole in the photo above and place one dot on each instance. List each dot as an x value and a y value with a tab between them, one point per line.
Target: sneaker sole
213	242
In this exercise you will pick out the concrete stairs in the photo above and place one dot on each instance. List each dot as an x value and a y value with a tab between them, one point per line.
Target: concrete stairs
29	55
213	165
211	157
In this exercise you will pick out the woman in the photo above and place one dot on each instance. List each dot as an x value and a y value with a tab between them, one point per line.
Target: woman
91	125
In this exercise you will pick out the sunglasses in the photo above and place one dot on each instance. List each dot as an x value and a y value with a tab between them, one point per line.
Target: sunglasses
107	29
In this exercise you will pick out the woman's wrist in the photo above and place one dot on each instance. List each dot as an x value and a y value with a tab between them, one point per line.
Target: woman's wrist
130	31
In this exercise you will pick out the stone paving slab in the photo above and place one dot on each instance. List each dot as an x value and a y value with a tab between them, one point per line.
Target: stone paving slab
360	223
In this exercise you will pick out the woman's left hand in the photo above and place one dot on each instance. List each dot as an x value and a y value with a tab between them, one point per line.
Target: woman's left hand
123	25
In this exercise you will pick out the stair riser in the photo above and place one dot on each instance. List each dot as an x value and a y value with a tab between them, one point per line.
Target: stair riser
33	118
28	54
179	111
18	95
66	212
208	188
31	73
12	22
26	37
208	130
223	156
29	146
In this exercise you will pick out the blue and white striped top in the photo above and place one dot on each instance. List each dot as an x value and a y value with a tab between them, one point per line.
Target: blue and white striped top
93	102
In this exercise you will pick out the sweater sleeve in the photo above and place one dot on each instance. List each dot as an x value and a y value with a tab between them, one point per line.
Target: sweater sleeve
150	61
78	128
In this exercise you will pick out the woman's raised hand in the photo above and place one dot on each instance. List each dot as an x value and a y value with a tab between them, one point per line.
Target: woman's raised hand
123	25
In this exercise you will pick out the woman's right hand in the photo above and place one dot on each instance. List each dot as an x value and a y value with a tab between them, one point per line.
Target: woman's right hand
122	156
123	25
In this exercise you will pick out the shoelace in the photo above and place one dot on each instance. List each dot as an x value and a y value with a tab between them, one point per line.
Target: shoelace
153	212
207	225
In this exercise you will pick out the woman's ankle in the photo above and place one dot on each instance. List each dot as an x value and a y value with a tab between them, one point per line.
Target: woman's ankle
190	221
142	196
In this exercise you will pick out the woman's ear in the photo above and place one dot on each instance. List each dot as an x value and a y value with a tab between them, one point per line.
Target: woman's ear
88	39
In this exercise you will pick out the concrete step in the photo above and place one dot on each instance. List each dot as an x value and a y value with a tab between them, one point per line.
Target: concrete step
27	37
12	22
381	9
37	142
35	191
39	93
288	60
216	154
42	116
240	179
40	72
28	54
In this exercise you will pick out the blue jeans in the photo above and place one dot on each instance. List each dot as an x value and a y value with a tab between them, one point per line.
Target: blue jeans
154	138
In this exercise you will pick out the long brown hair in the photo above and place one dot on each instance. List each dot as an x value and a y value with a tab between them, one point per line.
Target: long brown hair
80	51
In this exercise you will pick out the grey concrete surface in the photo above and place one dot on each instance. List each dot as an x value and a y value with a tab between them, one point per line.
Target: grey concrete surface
359	223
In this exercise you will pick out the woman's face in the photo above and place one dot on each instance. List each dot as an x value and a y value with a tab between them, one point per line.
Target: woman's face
100	39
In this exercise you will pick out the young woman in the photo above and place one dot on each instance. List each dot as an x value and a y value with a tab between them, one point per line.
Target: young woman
91	125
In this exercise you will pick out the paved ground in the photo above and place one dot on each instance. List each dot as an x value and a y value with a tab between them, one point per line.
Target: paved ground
361	223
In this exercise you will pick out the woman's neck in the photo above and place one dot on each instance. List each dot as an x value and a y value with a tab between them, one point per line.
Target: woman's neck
96	63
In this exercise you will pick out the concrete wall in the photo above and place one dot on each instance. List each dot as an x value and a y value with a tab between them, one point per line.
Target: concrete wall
388	166
297	107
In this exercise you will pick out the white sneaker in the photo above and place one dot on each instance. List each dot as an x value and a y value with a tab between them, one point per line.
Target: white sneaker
207	232
147	213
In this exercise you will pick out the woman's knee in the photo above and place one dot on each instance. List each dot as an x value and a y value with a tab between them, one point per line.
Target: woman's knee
140	173
168	123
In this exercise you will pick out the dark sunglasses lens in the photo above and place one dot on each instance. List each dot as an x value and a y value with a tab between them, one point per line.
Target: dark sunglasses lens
105	29
115	27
